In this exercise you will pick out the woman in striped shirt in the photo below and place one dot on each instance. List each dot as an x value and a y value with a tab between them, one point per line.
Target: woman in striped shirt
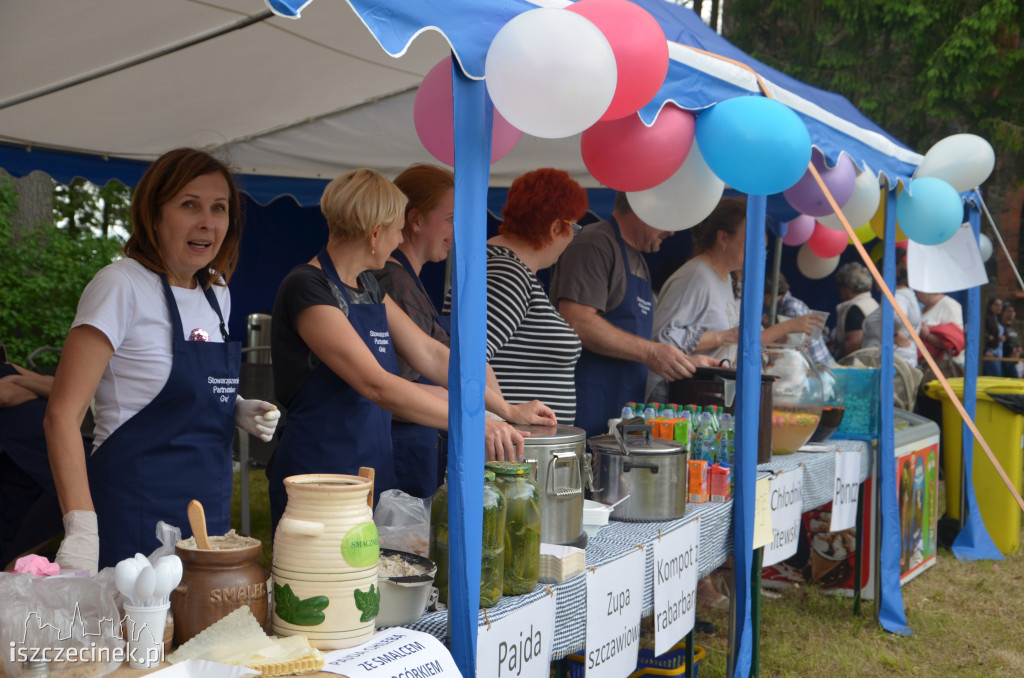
530	347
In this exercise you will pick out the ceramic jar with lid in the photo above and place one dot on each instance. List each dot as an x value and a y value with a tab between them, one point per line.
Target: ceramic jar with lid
522	526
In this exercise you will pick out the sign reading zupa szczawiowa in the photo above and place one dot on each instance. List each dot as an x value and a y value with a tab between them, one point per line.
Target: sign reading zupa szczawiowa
675	585
615	599
520	644
787	503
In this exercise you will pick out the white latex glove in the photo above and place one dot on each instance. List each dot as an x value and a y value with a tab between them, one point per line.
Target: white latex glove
257	417
80	549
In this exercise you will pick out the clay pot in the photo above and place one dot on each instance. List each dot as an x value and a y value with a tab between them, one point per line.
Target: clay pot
215	583
326	551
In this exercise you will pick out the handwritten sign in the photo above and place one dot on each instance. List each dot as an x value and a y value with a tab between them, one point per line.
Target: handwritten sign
520	644
615	598
762	512
394	652
787	503
675	585
847	483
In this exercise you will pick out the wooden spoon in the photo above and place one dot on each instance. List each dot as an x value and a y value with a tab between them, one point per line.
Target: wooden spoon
197	520
368	473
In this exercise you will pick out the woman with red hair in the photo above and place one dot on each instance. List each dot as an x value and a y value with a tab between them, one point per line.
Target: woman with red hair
530	347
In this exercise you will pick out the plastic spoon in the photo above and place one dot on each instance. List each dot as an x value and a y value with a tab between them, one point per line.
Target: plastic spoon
125	574
611	507
168	575
144	586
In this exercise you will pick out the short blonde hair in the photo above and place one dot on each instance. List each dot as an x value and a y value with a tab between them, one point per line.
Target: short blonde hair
357	201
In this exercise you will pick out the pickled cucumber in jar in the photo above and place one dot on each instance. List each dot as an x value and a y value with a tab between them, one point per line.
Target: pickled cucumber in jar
522	526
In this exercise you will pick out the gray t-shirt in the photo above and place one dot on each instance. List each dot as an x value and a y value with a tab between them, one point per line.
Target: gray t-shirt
590	271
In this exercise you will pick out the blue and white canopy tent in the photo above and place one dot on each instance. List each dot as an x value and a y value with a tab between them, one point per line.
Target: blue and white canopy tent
108	85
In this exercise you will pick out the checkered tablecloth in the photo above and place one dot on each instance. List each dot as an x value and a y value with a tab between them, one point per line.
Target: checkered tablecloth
819	469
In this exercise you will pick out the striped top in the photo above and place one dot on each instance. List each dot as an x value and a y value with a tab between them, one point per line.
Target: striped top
530	347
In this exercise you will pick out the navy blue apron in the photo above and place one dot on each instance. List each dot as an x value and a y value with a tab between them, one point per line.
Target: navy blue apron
416	447
604	384
175	449
22	438
331	427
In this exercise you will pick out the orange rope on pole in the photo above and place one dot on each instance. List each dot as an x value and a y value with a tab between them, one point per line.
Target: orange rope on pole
917	339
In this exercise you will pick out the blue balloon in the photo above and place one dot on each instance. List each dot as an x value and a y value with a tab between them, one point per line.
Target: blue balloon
929	211
779	208
754	144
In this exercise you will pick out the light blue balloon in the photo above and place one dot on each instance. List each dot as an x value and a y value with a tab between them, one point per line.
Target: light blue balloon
929	211
755	145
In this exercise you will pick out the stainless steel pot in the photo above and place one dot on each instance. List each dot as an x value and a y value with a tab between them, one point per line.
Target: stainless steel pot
650	471
556	452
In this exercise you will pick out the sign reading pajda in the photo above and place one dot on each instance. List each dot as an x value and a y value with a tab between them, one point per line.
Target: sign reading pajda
615	598
520	644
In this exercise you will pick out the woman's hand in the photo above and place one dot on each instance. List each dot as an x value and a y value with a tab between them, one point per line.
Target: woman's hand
502	442
532	413
805	323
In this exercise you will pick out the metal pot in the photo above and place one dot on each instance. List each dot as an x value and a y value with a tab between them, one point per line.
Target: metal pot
650	471
556	452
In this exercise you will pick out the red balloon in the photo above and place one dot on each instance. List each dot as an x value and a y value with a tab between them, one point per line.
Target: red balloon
640	47
827	242
627	155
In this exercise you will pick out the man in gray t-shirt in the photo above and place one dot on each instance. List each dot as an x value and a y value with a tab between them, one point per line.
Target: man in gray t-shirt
601	286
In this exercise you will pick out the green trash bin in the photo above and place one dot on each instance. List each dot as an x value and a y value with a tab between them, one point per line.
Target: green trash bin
1003	429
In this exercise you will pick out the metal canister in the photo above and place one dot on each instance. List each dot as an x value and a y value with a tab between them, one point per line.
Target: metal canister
557	454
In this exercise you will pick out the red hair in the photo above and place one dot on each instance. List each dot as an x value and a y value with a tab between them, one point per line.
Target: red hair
538	198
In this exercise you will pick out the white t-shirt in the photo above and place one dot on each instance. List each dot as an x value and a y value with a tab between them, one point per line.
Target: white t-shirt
125	301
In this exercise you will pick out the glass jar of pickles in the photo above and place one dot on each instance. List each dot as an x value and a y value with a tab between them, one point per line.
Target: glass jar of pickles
522	525
493	543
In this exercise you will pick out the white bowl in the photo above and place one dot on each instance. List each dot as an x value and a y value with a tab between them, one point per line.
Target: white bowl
595	516
403	599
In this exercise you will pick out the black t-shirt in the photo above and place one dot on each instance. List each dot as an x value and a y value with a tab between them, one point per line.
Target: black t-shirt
306	286
854	320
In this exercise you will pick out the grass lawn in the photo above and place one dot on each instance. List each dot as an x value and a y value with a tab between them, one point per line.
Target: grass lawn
967	618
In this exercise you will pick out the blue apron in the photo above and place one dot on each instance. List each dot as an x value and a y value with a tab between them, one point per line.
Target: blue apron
416	447
22	439
175	449
604	384
331	427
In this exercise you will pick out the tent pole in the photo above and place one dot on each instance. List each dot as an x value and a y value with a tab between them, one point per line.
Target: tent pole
773	308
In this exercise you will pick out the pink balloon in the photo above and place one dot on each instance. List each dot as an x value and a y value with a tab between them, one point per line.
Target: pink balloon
799	230
432	114
627	155
827	242
806	196
640	47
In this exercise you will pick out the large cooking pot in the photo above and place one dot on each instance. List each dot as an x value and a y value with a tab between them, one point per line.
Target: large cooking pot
557	454
717	386
652	472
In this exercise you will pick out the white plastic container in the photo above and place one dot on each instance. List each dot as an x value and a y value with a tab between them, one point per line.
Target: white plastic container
595	516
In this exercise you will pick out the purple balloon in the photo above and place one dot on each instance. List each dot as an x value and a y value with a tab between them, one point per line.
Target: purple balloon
799	230
806	196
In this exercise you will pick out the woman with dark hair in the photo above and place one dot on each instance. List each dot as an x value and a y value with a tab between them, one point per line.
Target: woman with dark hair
697	308
995	335
531	348
149	342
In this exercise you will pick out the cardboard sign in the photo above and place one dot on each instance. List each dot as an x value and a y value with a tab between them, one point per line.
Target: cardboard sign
615	599
675	585
762	513
390	653
520	644
847	483
787	503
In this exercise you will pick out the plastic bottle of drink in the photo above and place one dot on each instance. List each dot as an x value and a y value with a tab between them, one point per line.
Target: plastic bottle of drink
704	446
649	413
627	412
726	440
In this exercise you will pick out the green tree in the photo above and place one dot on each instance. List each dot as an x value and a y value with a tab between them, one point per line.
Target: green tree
43	271
923	69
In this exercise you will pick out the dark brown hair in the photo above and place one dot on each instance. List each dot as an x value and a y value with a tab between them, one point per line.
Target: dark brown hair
730	214
423	185
163	180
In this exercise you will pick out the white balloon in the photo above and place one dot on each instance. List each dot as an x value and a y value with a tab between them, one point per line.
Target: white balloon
961	160
861	206
551	73
682	201
985	247
812	266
